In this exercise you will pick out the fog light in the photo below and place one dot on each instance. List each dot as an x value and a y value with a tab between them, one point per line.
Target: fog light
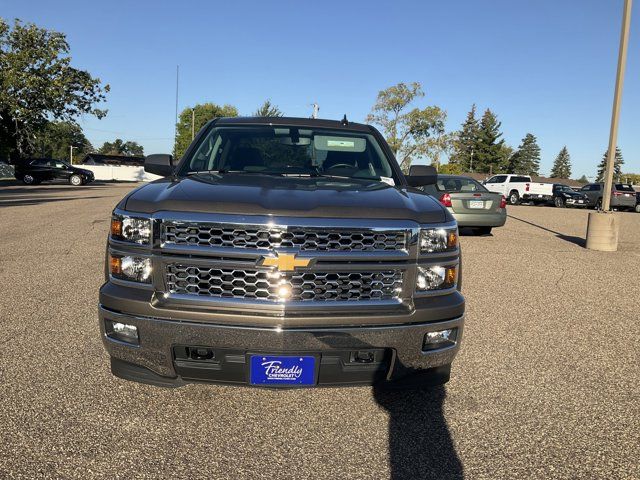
122	332
440	339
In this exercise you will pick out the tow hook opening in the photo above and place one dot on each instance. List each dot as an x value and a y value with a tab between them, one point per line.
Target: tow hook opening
362	356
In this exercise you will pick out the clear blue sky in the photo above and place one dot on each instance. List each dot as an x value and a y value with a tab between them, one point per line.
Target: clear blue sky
545	67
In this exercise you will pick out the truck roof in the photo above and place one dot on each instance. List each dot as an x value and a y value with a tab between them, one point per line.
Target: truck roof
302	122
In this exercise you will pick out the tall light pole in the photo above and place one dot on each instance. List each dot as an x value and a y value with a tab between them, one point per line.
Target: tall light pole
602	229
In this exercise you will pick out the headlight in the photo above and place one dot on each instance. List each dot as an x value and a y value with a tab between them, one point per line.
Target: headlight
131	229
436	278
433	240
133	269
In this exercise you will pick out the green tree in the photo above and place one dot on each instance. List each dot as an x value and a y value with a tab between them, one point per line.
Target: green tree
583	179
488	156
268	109
120	147
202	113
38	84
562	164
451	169
465	141
632	178
56	138
618	161
527	158
407	131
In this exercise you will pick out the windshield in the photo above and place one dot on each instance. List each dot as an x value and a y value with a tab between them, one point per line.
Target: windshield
290	150
563	188
624	187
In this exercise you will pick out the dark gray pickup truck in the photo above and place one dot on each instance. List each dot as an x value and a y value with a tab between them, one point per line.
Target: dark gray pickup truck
283	252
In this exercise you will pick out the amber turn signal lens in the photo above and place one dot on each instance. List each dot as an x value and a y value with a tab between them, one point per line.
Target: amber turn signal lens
116	227
451	276
115	264
452	239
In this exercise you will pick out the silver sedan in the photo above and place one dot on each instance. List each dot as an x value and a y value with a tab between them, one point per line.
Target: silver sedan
471	204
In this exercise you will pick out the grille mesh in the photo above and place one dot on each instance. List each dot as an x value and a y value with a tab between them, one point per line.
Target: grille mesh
241	236
266	284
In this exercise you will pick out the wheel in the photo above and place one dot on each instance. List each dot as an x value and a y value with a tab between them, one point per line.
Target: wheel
514	198
75	180
599	204
28	180
559	202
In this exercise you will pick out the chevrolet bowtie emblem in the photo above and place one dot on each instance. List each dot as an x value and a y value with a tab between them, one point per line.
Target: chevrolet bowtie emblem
285	262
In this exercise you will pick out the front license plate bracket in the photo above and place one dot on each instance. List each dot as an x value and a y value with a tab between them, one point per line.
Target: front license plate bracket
283	370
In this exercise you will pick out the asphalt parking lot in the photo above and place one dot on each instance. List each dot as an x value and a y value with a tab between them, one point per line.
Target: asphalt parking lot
546	384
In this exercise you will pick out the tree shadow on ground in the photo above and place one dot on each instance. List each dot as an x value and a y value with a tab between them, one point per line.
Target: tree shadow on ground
581	242
23	201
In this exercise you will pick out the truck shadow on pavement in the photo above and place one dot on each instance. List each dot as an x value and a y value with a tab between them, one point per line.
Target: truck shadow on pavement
420	445
581	242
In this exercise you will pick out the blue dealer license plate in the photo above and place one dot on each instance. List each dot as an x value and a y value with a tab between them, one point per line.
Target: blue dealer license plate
283	370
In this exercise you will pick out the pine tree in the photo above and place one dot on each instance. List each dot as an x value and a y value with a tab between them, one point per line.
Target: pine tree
583	179
617	166
526	160
465	141
562	164
488	152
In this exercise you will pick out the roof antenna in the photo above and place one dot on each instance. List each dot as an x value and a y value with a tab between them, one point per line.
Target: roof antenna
344	121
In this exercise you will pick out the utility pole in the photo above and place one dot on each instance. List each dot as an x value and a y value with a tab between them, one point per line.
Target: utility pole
193	124
617	98
175	128
602	227
71	147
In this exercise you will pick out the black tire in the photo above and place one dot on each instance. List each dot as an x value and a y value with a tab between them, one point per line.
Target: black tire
483	230
598	204
514	197
75	180
559	202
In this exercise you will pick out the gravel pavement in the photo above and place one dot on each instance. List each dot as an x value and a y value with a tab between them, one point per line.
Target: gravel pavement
546	384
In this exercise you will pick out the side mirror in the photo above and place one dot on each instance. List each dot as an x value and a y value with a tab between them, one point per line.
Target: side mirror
421	175
159	164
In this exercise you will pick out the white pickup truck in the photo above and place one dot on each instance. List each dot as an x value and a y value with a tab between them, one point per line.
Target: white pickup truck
520	188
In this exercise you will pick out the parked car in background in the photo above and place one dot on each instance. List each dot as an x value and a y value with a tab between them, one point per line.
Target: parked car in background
623	196
565	196
520	188
471	204
35	171
638	202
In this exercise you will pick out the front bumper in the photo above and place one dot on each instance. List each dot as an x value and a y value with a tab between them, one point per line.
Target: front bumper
399	346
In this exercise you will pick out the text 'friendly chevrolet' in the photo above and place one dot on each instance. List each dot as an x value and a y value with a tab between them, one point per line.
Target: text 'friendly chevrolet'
283	252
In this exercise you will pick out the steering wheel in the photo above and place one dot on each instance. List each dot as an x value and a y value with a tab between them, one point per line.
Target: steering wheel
340	165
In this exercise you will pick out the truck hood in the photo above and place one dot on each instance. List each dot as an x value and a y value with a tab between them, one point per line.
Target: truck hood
255	194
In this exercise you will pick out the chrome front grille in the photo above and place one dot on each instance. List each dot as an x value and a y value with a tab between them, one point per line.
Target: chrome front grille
204	234
273	286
